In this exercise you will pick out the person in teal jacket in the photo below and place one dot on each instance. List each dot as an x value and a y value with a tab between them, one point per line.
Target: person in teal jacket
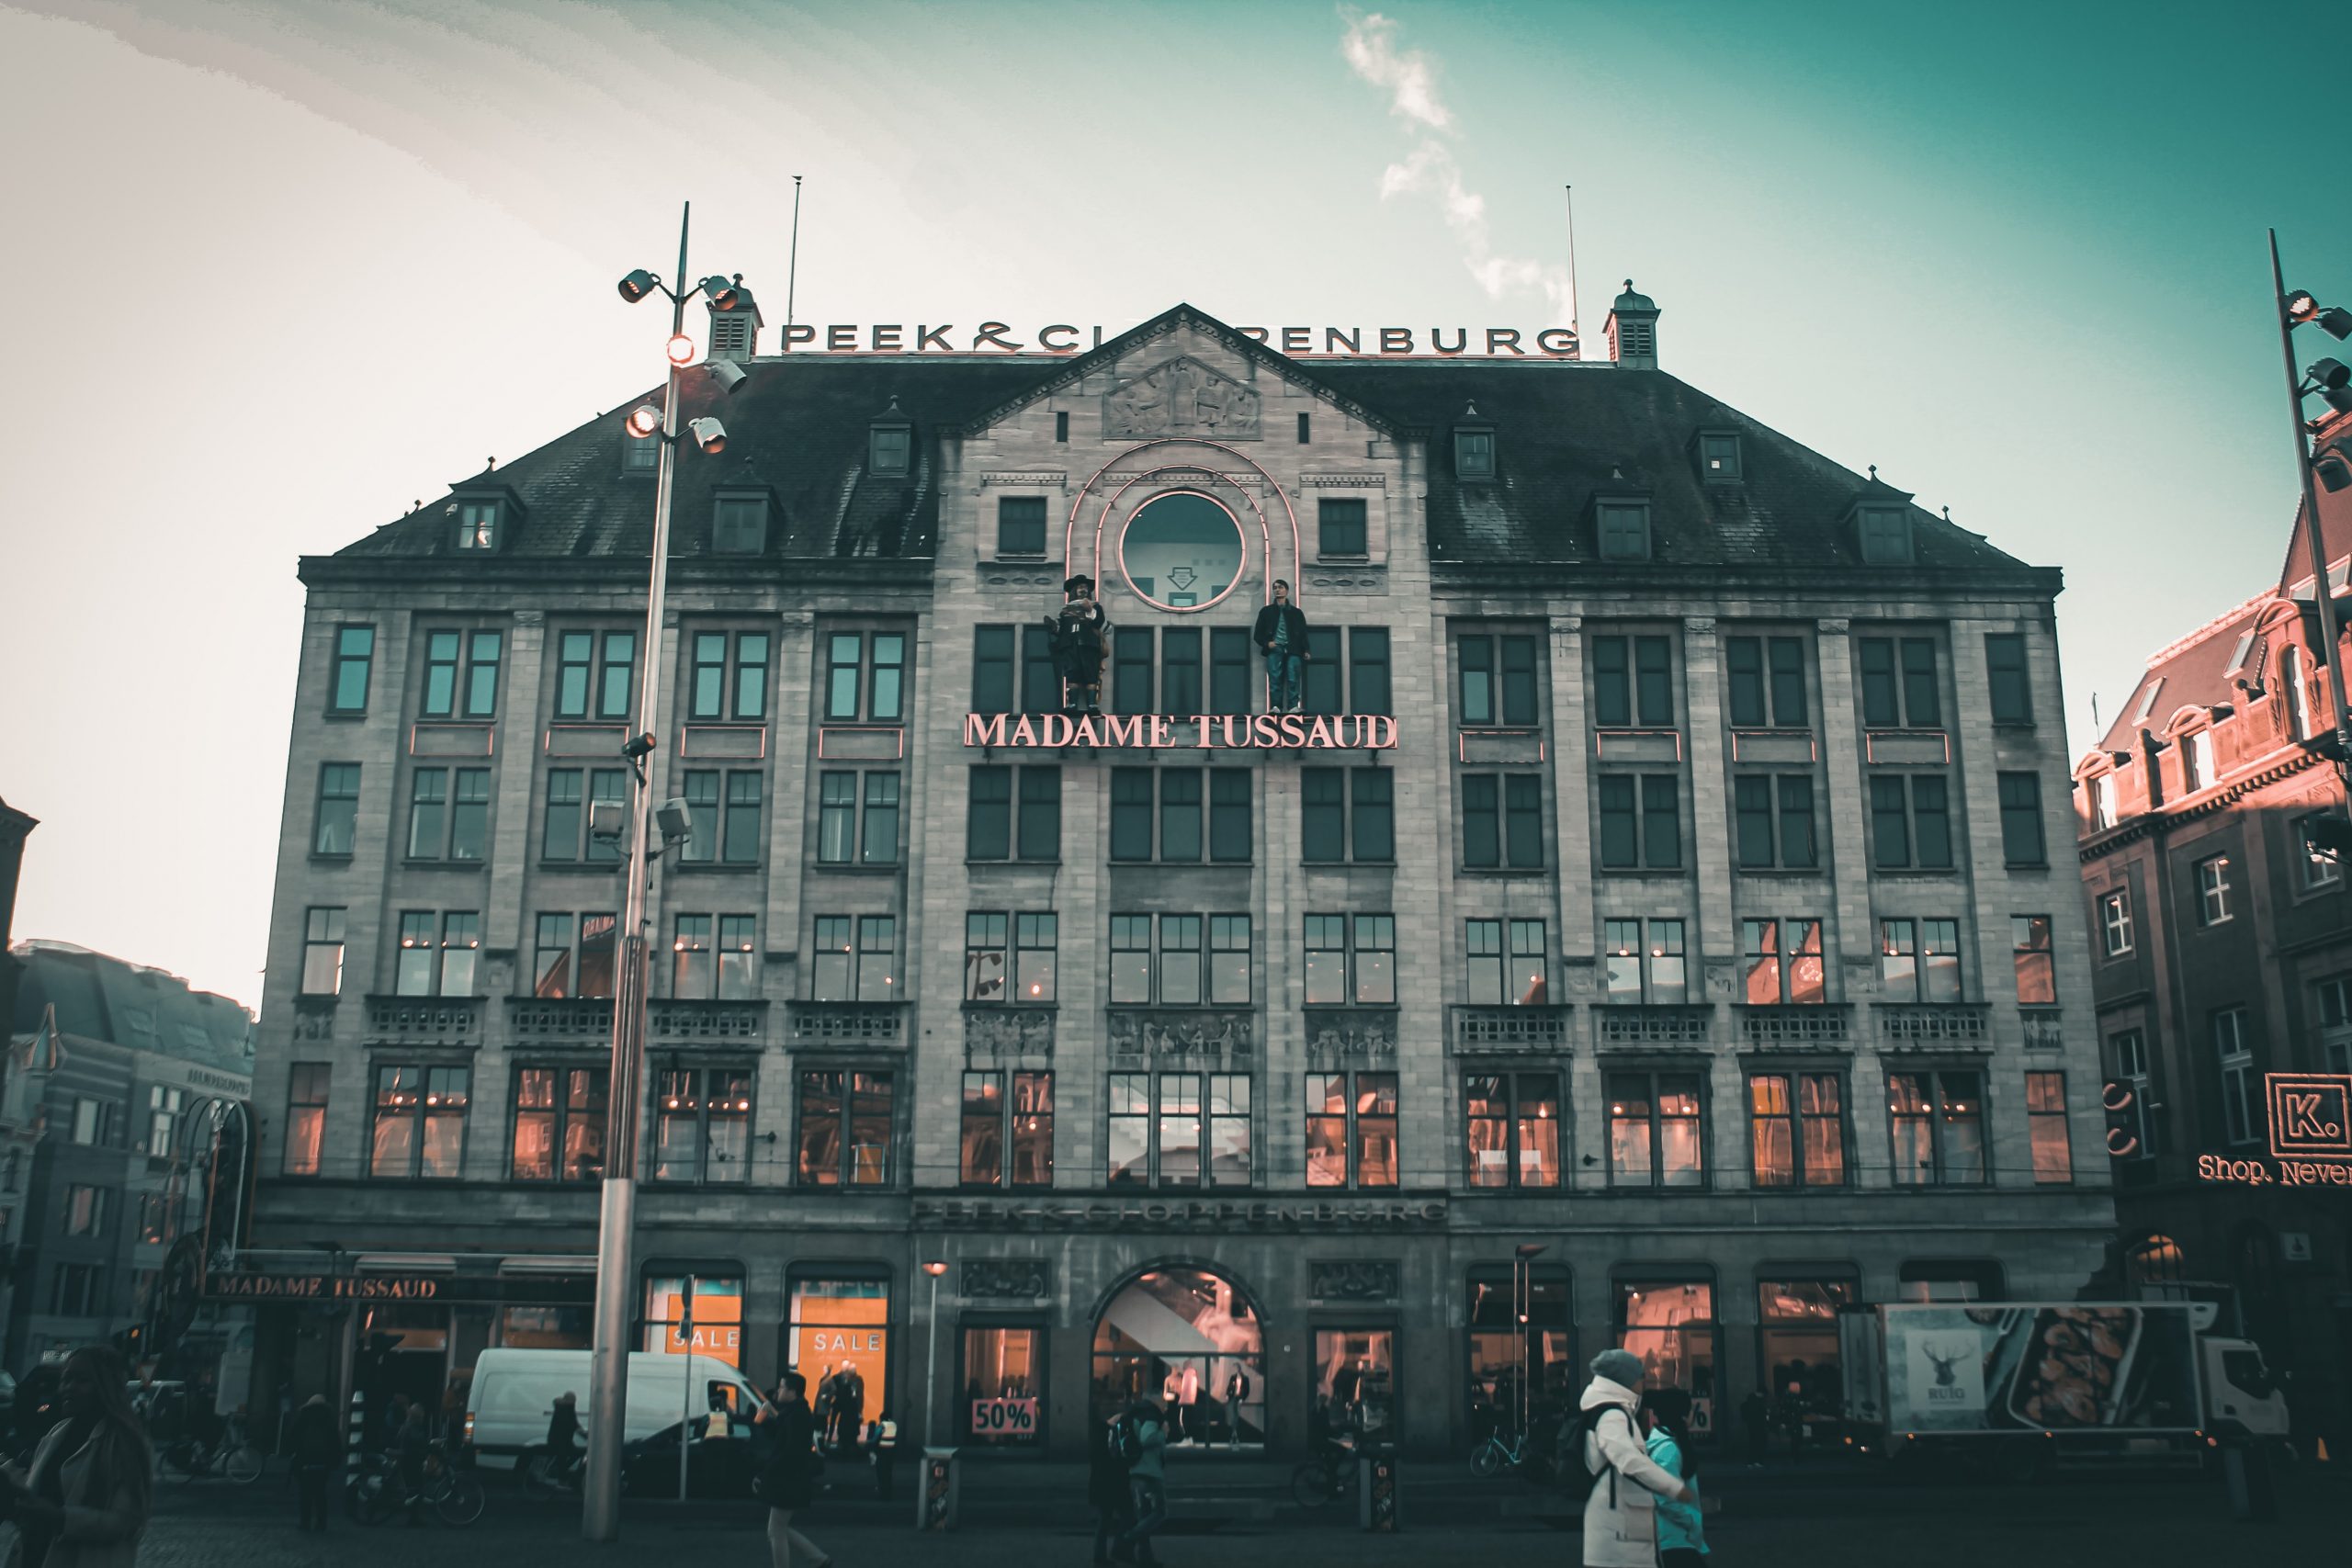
1681	1528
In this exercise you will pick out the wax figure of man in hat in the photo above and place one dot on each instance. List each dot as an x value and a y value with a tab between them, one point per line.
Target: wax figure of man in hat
1081	635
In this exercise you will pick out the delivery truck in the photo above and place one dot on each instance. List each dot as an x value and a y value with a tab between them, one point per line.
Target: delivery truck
2064	1381
514	1393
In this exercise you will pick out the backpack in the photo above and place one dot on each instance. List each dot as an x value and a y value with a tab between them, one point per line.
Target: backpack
1127	1439
1575	1479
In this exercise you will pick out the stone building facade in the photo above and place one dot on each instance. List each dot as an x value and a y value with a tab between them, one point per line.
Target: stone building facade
2222	947
1666	874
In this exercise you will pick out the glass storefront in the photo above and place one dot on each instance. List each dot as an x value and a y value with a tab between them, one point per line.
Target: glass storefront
1356	1383
1670	1324
1798	1338
838	1336
547	1328
1494	1350
1005	1386
1188	1340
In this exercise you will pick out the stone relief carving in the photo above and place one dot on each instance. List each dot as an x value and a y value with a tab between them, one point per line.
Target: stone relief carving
1183	1035
1183	397
1019	1279
1352	1036
1354	1279
1027	1031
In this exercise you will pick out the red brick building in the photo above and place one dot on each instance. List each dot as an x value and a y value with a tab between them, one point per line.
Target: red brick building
2222	951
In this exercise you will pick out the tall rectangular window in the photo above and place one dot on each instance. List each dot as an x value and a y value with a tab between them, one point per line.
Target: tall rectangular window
617	671
1475	662
2233	1052
1327	960
1007	1141
1323	813
2011	692
470	814
2045	1112
1179	815
693	967
428	812
1130	959
988	814
700	791
2035	962
992	669
574	674
1021	525
1797	1129
335	827
2022	819
1319	680
1938	1124
354	657
1368	683
1656	1129
844	673
836	819
1661	821
306	1085
845	1128
1041	684
1372	815
878	844
440	698
1230	951
738	958
987	951
1180	960
1352	1130
1232	815
2130	1051
559	1125
418	1129
1034	956
1179	670
740	843
1131	814
1511	1135
1230	669
1921	706
1039	836
2212	890
886	685
1131	669
1612	678
1340	525
322	952
2115	922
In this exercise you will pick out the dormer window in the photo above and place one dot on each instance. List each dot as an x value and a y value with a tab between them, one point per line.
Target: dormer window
890	443
1474	446
639	454
477	524
739	525
1719	457
2103	801
1886	535
2197	761
1624	529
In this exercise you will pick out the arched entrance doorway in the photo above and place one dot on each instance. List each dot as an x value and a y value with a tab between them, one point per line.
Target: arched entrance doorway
1189	1339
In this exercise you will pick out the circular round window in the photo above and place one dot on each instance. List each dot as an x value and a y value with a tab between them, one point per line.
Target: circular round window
1182	551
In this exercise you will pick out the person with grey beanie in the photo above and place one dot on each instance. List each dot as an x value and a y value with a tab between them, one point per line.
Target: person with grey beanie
1619	1514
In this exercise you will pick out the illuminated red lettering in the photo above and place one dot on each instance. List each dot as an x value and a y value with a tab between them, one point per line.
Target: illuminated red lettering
1159	731
927	338
1052	737
1294	730
1023	732
1125	731
983	729
1320	736
1202	721
1085	734
1264	732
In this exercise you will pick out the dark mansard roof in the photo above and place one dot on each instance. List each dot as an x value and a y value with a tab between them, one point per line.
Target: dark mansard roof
1565	433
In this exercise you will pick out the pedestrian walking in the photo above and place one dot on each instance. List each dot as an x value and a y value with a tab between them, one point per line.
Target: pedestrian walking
1682	1527
83	1500
1147	1484
1281	636
882	1451
1619	1521
563	1435
1106	1487
849	1407
788	1481
314	1447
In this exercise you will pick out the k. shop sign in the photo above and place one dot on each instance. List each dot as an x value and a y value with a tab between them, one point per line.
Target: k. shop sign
2311	1115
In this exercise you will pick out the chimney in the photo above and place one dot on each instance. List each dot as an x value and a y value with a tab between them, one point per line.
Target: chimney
735	331
1632	330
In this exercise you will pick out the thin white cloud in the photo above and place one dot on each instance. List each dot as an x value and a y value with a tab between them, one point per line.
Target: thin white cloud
1431	169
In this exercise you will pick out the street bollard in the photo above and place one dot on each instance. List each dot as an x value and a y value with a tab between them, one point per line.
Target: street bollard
935	1499
1377	1496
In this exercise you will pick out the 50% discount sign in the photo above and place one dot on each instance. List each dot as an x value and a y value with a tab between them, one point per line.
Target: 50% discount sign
1007	1417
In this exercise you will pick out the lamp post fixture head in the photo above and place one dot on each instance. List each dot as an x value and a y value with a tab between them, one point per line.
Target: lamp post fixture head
637	285
681	349
720	291
644	420
935	1269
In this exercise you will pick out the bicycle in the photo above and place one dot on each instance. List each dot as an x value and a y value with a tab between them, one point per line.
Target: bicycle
1518	1450
449	1488
1325	1478
231	1456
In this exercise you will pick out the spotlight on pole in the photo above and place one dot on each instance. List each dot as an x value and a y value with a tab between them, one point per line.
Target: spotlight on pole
2329	373
708	433
682	349
720	291
2332	471
730	375
644	420
637	285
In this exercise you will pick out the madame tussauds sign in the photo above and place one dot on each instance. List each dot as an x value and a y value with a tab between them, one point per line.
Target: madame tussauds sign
1205	732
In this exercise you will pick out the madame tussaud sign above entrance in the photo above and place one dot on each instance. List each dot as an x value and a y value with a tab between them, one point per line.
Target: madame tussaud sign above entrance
1207	732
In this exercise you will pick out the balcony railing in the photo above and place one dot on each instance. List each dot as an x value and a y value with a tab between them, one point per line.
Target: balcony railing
705	1022
2042	1031
1661	1024
424	1021
561	1021
1934	1023
848	1023
1536	1027
1812	1024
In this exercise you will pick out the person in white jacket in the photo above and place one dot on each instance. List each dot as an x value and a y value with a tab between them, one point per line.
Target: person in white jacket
1619	1515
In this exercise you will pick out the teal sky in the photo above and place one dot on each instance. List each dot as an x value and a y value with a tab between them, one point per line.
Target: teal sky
279	268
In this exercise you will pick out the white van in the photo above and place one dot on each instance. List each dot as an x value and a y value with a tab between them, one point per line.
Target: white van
514	1395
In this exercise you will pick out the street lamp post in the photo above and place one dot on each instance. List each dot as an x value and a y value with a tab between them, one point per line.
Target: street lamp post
1522	1307
617	1217
931	1361
2296	309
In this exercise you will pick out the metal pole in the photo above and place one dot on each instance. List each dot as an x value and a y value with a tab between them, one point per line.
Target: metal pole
792	267
1576	327
2328	632
930	1370
616	1221
687	1384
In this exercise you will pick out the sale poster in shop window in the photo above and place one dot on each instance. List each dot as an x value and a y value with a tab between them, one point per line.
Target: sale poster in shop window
841	1326
715	1328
